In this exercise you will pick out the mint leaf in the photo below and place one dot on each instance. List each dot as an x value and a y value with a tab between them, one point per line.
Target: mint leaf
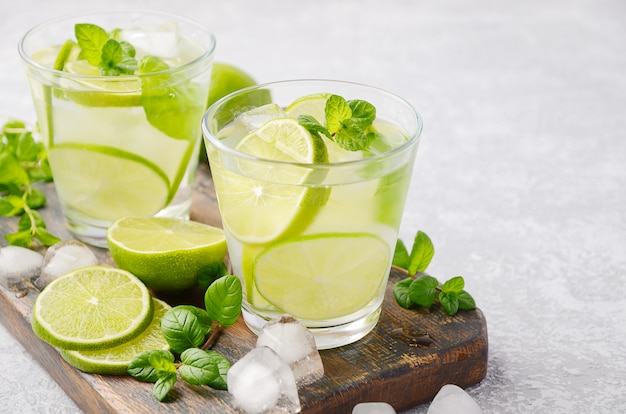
449	302
466	301
163	386
363	113
203	317
423	290
401	255
210	273
172	103
118	58
223	300
312	125
204	368
454	285
182	330
421	253
91	39
336	111
352	137
401	291
148	365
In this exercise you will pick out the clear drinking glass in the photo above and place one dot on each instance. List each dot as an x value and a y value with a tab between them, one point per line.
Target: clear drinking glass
122	145
313	240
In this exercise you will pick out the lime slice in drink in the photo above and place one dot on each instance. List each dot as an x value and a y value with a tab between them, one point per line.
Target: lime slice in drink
91	88
260	204
319	276
165	253
115	361
92	308
106	183
315	106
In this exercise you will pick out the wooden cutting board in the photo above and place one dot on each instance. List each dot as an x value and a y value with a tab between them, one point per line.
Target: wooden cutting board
387	365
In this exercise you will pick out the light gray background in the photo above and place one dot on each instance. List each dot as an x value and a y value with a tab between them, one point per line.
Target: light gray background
520	178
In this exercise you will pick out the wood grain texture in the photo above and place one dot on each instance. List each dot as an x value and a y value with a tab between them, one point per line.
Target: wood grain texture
384	366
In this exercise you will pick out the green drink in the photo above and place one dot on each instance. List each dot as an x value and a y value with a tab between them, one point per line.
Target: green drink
311	227
119	97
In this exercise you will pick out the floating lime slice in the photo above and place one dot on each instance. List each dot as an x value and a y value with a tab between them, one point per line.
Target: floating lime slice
260	204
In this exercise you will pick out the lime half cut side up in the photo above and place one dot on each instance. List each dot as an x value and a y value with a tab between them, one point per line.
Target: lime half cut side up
260	202
165	253
106	182
115	360
319	277
92	308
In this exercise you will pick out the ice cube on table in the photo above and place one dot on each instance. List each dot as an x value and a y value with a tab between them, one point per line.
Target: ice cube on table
373	408
62	258
452	399
261	382
18	264
295	344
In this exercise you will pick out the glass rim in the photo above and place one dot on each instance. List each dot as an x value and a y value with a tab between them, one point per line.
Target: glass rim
26	58
219	144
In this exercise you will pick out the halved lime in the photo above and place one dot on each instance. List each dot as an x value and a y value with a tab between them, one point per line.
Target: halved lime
115	361
92	308
106	183
322	276
165	253
261	203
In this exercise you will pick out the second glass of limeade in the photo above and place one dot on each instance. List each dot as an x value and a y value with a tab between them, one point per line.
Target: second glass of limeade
311	178
119	98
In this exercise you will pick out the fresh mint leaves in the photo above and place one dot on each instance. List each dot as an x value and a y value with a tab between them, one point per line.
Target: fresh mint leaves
170	100
102	50
424	290
186	327
348	123
23	162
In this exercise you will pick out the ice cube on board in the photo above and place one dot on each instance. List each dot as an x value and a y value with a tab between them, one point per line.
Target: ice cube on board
261	382
295	344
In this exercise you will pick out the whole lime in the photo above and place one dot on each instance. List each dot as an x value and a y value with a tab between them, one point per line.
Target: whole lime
226	78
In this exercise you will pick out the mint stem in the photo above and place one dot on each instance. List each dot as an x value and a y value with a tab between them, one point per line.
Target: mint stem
216	331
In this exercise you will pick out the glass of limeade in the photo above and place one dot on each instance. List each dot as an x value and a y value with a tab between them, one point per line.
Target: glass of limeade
122	135
311	227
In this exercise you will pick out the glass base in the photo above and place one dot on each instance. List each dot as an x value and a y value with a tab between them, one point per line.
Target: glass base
327	337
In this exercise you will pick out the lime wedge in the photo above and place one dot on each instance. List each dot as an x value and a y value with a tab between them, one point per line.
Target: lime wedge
94	89
115	361
92	308
319	277
107	183
260	204
165	253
